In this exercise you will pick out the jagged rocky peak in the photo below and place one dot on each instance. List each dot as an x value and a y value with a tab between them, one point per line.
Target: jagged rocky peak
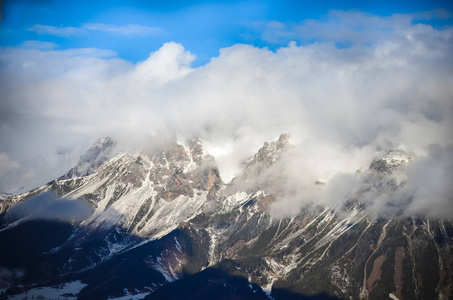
126	168
5	201
5	196
197	150
262	160
269	153
180	168
174	169
181	156
89	162
393	159
173	156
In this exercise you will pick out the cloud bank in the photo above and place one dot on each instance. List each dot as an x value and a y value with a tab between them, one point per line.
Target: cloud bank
391	88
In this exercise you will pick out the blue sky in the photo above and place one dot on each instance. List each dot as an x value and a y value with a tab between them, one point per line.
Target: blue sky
135	28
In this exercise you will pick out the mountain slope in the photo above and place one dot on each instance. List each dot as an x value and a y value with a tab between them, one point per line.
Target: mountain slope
166	216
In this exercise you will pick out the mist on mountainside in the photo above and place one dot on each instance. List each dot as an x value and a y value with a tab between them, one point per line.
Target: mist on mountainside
342	106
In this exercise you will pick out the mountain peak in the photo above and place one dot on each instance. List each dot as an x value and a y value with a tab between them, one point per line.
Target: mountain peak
197	151
392	160
284	138
262	160
89	162
270	152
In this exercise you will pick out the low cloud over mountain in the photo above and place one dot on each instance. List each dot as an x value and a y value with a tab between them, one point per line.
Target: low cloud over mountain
341	105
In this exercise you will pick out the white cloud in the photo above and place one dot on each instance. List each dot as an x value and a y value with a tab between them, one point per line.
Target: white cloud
125	30
169	63
7	165
340	105
429	187
57	31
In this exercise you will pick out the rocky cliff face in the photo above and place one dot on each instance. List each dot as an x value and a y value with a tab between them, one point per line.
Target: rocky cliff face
166	220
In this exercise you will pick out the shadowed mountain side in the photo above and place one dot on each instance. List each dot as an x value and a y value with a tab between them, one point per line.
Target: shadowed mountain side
145	268
24	251
217	283
210	284
281	294
50	253
47	253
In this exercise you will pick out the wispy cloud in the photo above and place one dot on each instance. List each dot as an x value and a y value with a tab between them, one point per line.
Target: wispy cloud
347	27
39	45
57	31
126	30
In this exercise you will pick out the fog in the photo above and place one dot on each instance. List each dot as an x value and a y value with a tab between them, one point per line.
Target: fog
390	90
47	206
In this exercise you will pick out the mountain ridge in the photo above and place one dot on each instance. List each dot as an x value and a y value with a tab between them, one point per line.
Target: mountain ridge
174	204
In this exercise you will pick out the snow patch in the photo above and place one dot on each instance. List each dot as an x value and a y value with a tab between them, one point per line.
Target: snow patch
268	288
393	297
234	201
178	246
138	296
160	266
68	290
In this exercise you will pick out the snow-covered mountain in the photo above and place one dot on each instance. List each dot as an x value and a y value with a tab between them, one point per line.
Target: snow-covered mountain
88	163
164	225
